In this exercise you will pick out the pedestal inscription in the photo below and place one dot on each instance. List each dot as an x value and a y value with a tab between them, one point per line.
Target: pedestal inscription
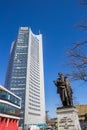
66	123
68	119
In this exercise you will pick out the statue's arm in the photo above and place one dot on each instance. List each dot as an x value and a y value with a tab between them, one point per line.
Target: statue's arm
55	82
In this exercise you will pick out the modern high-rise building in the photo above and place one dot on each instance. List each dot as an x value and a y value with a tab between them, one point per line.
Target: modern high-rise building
25	76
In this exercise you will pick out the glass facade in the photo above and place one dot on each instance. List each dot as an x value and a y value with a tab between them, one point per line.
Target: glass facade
9	70
25	75
9	97
9	110
18	70
10	104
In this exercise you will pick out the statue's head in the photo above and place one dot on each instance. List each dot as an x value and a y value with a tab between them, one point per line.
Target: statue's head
59	73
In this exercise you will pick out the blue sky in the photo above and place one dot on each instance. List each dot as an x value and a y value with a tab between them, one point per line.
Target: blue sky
56	20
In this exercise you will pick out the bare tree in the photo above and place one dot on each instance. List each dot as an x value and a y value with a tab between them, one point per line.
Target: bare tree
78	55
84	2
78	61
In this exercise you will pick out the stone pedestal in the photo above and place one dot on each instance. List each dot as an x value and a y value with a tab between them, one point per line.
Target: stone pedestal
68	119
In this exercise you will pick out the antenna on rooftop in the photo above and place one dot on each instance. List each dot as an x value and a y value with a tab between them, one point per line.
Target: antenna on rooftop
39	31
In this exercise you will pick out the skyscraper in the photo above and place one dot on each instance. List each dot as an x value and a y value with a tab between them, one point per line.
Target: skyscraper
25	75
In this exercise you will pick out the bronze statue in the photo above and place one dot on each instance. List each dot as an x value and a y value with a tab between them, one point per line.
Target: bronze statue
64	89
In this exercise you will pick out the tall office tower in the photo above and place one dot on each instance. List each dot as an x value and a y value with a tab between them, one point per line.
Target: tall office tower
25	76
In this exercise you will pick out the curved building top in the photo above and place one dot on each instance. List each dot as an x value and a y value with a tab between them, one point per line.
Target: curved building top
27	28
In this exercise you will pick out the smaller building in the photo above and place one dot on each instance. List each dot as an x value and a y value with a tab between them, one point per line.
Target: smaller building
82	112
52	123
10	106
